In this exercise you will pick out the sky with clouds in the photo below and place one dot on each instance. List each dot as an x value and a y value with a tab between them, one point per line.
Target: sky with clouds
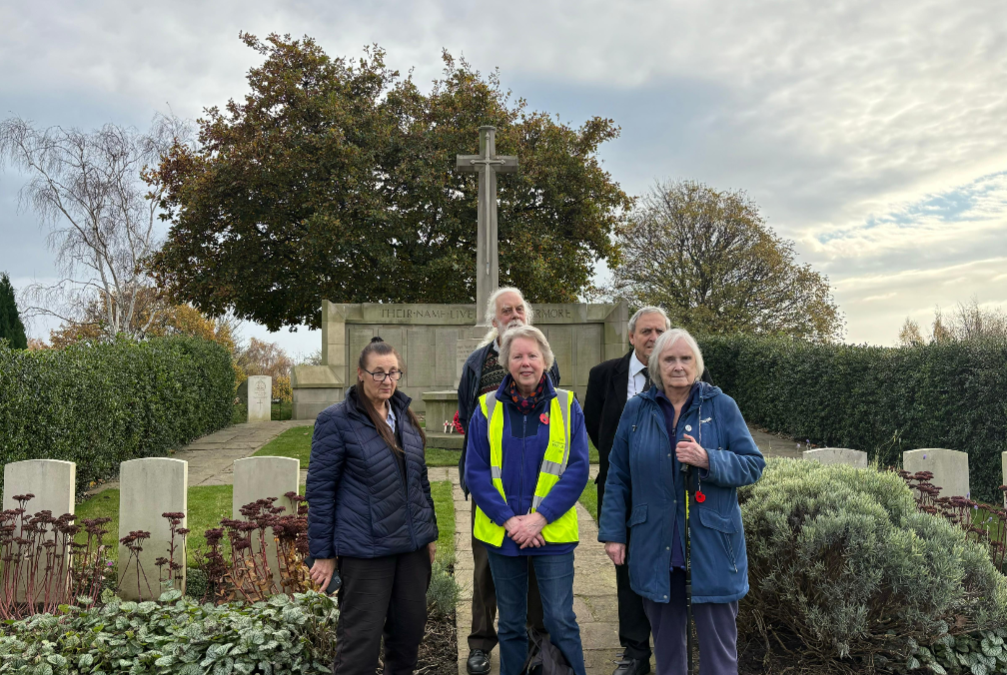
872	134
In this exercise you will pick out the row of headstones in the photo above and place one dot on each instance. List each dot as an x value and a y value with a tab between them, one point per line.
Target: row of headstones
149	488
949	467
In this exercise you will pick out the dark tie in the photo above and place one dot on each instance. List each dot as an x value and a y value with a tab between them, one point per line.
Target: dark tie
646	380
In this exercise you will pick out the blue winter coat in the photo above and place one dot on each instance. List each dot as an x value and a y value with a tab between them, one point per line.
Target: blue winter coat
643	498
525	438
360	504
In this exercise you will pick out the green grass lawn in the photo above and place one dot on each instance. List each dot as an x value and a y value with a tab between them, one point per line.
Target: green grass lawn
280	411
589	498
296	443
444	505
208	504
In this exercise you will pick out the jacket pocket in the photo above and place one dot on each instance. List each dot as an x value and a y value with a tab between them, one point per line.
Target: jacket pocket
638	516
725	531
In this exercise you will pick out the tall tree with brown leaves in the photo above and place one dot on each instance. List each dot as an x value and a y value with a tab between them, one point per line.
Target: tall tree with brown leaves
334	179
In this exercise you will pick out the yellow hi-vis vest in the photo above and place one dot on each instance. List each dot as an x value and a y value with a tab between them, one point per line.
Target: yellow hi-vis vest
563	530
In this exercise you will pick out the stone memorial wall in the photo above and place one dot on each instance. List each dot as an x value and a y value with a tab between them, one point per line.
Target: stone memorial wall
435	340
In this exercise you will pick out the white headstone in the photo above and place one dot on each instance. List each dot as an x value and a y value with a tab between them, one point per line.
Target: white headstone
855	458
260	398
1003	466
149	488
949	467
53	483
261	478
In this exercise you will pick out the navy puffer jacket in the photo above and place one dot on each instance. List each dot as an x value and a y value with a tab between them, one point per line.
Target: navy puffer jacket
360	504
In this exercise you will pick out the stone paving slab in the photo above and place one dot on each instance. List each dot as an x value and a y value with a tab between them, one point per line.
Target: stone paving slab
211	458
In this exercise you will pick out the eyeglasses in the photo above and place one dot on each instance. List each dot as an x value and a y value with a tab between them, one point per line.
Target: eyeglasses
380	376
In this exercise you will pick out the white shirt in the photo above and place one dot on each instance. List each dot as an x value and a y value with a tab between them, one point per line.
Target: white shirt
391	417
637	377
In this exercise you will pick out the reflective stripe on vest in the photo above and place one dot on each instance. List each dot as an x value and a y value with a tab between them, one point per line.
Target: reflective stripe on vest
563	530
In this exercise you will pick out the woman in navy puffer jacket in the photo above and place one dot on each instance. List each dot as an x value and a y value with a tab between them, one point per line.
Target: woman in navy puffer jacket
372	516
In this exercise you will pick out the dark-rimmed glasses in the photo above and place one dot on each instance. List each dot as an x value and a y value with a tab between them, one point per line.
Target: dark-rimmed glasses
380	376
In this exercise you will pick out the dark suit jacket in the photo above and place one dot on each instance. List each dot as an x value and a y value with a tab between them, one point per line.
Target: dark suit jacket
603	404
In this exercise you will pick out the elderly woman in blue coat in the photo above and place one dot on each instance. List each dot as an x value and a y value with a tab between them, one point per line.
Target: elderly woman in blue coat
527	467
372	517
682	437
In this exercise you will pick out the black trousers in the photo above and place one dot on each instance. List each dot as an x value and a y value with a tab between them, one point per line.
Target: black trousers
381	596
484	599
634	627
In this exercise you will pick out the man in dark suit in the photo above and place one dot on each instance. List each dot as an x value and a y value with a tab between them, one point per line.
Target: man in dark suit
609	386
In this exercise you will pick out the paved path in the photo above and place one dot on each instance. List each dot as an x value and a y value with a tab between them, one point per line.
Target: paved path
594	600
211	458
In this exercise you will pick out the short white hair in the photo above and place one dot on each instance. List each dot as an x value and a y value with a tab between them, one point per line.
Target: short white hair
531	333
491	312
666	340
648	310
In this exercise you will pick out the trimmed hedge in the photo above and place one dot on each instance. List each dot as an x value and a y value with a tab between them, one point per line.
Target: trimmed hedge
881	400
102	404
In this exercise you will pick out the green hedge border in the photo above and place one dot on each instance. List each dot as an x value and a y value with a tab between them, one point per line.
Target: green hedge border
881	400
102	404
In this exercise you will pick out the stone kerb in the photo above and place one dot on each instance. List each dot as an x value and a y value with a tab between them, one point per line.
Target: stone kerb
949	467
53	482
855	458
261	478
149	488
260	398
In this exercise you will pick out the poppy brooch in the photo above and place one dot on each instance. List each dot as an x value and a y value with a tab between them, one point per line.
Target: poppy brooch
543	418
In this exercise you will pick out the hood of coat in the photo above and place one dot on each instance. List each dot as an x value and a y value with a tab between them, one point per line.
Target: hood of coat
400	402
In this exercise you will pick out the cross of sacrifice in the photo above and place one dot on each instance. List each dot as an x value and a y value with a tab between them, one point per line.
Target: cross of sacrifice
487	164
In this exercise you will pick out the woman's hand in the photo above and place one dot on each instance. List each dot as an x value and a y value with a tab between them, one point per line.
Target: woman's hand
432	549
689	452
616	552
321	572
526	530
531	530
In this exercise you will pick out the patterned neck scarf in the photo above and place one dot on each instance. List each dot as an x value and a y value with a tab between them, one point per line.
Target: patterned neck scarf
526	405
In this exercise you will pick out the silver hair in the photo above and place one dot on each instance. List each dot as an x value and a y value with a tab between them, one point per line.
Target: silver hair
666	340
491	312
531	333
648	310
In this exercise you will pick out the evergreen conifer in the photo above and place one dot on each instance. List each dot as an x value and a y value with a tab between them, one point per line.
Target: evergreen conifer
11	327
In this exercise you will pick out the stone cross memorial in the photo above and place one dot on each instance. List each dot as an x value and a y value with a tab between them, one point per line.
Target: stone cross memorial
487	164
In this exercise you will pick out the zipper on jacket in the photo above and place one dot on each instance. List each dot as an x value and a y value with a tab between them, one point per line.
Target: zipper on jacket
524	446
405	486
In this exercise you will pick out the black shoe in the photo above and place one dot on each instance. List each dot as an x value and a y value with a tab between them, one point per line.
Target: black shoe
632	667
479	662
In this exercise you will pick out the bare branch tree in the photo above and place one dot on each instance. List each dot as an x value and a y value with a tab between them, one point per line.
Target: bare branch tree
711	261
87	188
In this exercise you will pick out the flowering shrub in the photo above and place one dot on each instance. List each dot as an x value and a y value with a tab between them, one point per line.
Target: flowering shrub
175	635
843	565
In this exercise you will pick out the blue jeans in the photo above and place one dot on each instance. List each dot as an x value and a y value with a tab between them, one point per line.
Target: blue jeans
555	583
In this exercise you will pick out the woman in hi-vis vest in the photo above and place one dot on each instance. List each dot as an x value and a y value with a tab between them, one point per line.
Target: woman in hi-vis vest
527	465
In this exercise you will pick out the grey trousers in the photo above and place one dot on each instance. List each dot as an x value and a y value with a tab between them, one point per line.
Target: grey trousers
716	629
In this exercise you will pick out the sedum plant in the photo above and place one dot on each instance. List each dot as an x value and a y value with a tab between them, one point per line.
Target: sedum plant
841	559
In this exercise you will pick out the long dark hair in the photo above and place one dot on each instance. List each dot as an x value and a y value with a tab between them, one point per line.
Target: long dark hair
382	348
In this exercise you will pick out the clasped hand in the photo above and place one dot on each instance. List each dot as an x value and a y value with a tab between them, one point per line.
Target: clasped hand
526	531
689	452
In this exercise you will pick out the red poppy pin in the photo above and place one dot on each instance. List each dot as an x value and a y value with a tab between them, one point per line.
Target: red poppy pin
543	418
700	497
